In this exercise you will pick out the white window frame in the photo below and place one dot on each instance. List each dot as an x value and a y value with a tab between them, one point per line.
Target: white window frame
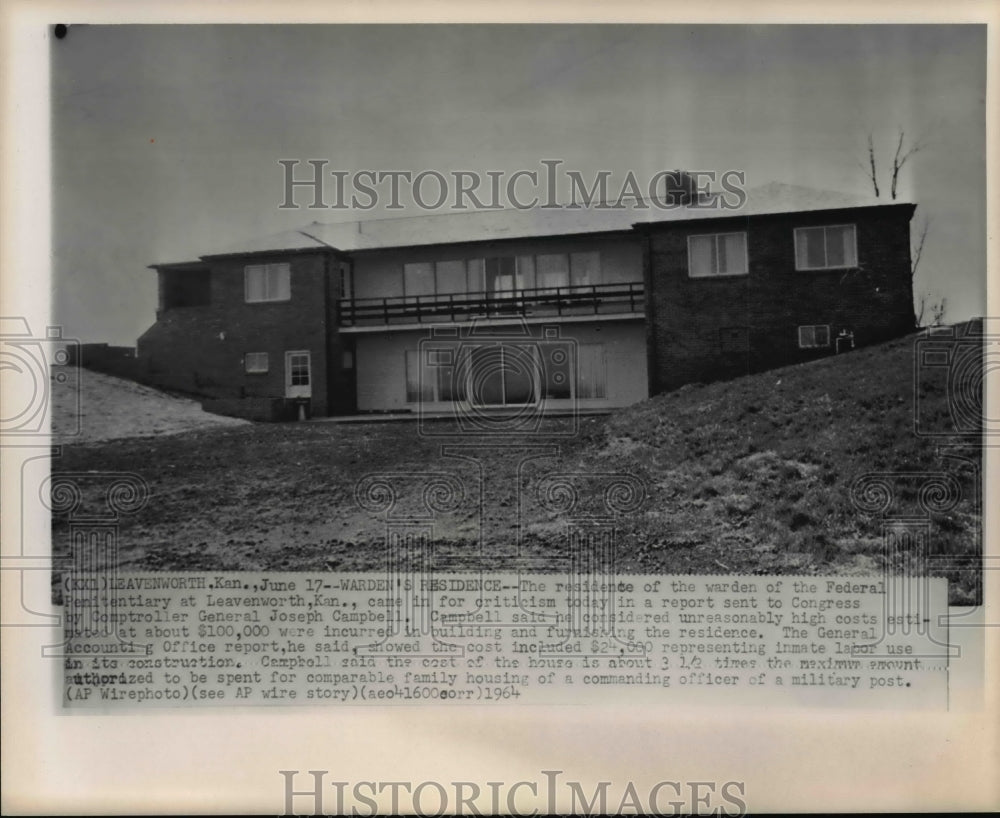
298	390
278	268
251	369
715	237
824	228
812	328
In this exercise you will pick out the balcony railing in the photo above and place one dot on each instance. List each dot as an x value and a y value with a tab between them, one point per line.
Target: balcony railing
582	300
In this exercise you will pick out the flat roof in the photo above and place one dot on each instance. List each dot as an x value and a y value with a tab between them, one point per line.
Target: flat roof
538	222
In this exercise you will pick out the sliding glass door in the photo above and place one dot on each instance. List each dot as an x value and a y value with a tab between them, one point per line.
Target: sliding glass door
502	375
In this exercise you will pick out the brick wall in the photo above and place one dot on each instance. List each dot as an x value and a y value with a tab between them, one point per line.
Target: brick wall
697	329
702	329
201	349
261	409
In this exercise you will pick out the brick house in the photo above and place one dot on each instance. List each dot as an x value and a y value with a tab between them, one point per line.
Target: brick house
583	308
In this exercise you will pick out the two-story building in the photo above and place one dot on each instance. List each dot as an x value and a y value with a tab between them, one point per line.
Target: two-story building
583	308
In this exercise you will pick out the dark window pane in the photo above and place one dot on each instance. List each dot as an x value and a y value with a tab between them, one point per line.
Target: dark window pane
486	376
519	374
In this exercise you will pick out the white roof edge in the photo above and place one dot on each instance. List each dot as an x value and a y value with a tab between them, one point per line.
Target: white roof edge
429	229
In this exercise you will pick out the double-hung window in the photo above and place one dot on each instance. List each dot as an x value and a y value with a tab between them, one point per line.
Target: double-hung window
814	336
826	248
717	254
255	362
267	282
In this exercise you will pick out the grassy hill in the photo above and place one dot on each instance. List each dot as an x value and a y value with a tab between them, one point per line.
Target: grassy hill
752	475
756	474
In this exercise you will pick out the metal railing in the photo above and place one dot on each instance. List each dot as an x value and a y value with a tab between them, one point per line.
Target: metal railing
586	299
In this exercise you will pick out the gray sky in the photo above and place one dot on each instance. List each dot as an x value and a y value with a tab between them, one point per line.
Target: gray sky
166	138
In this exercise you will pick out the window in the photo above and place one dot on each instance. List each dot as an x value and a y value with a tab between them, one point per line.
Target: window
592	372
414	381
502	375
825	248
501	275
255	362
585	268
552	271
451	277
526	271
814	337
298	368
346	288
436	379
267	282
418	278
477	275
718	254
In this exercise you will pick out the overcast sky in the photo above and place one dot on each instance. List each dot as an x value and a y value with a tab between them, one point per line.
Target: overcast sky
166	139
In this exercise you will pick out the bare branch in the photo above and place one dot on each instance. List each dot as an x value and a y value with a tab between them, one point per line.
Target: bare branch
872	175
900	159
938	311
922	309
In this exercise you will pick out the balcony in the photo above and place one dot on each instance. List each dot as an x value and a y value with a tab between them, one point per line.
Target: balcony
582	301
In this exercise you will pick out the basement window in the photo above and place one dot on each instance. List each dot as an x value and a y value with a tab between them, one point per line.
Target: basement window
814	336
255	363
717	254
267	282
826	248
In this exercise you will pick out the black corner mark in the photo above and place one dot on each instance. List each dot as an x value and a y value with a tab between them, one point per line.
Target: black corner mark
60	30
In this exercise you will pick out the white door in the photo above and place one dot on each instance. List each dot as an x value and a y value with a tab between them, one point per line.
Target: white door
298	375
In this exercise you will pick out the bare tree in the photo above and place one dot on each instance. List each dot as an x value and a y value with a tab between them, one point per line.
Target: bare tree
870	168
899	159
938	311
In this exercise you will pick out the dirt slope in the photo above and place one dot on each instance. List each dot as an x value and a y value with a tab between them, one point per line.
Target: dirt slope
90	406
749	476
